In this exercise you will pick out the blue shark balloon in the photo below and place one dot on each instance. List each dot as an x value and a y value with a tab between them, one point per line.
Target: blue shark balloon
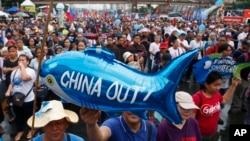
94	79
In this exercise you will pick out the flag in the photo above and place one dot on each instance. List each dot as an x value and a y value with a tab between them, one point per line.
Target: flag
70	14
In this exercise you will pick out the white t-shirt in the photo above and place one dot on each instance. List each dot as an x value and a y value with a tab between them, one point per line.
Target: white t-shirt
176	52
194	44
231	43
184	42
25	51
240	37
154	47
23	86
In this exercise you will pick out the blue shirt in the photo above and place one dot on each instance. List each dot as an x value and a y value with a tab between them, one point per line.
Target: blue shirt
72	137
121	132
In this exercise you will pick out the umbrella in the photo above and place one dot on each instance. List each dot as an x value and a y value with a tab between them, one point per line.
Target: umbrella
144	29
21	14
13	9
3	14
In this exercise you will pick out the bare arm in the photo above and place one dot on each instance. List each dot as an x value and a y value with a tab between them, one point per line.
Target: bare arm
7	70
7	93
24	75
228	95
95	133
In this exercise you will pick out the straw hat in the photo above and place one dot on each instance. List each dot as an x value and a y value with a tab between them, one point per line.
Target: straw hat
50	111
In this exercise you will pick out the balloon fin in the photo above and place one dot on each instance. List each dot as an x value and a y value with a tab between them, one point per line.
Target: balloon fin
238	68
100	51
173	73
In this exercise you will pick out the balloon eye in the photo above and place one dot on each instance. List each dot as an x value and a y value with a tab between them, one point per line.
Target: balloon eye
50	80
207	64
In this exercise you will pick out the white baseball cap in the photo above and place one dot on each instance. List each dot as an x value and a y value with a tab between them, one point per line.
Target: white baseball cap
185	100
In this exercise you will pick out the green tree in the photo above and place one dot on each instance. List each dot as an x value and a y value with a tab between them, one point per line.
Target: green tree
150	9
142	10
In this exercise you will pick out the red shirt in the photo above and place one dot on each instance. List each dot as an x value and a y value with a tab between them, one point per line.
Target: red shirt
209	112
212	49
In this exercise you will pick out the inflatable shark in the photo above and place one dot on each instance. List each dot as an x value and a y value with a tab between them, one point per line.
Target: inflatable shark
95	79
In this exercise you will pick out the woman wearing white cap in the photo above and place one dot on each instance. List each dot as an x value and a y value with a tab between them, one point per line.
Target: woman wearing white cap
54	120
188	129
129	60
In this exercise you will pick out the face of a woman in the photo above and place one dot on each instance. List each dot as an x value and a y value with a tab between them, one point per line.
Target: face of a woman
45	50
5	54
130	58
66	43
31	42
12	52
54	130
227	52
81	46
185	113
213	87
38	53
23	60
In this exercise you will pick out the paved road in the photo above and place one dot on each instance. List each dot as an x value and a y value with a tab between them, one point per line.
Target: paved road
79	128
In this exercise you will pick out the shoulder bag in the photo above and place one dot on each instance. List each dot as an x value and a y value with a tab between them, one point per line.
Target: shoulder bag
18	97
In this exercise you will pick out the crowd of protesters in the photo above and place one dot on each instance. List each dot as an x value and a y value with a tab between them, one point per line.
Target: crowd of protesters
145	45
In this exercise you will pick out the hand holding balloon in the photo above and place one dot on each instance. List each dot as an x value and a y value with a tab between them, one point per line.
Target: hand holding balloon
235	81
89	116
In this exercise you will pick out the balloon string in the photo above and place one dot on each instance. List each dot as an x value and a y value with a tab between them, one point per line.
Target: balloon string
45	33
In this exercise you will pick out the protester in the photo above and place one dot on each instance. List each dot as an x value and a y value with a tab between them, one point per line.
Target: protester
188	129
22	49
208	97
226	51
246	97
22	80
215	48
176	50
161	58
130	61
10	65
125	127
243	49
153	48
242	36
54	121
117	38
